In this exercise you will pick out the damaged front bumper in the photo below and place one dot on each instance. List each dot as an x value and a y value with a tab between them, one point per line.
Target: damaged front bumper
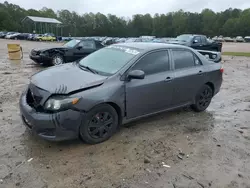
50	126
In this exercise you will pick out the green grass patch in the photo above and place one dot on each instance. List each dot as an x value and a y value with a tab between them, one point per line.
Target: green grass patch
246	54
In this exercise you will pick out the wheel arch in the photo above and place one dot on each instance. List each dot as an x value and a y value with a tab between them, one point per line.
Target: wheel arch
211	85
117	108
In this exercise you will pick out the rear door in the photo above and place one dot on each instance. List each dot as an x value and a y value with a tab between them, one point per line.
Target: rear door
205	44
154	92
189	76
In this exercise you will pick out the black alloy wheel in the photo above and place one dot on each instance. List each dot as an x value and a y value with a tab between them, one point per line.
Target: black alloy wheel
203	99
99	125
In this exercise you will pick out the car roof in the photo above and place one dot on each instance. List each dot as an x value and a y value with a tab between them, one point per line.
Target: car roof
147	46
193	34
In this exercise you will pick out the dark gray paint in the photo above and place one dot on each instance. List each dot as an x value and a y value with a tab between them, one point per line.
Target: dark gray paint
135	98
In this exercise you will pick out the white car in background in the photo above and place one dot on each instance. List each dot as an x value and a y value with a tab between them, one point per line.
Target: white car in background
11	35
240	39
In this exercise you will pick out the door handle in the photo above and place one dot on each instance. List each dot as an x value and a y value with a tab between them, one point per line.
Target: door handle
168	79
200	72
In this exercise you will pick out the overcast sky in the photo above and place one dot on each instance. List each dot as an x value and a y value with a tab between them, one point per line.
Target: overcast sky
129	7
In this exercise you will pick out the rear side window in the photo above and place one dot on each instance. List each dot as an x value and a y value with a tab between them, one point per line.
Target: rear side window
183	59
153	63
204	40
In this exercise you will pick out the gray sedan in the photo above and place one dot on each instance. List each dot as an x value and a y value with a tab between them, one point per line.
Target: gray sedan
120	83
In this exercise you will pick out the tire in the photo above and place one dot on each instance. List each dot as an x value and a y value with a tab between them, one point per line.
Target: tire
203	99
57	59
99	124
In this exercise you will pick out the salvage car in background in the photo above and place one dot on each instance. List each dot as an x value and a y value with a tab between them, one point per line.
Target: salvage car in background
240	39
20	36
197	42
115	85
46	37
69	52
247	39
229	39
3	34
10	35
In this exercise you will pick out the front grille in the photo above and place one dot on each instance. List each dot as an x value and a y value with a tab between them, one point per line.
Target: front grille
34	101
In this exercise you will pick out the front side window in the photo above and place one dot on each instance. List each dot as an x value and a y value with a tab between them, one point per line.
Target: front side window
87	44
153	63
183	59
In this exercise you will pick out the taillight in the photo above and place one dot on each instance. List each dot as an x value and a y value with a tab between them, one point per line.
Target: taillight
221	70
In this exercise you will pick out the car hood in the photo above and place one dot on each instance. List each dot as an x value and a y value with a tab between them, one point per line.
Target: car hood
65	79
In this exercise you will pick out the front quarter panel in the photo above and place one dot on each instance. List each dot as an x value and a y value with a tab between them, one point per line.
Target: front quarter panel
109	92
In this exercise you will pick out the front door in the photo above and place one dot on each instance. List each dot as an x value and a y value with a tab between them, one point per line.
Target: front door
154	92
84	48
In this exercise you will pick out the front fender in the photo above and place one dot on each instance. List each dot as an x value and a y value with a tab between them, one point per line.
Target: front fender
106	93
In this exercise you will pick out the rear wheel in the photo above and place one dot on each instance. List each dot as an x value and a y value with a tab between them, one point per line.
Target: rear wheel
99	125
57	59
203	99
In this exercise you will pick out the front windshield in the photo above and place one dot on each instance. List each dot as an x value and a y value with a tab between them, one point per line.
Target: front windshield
71	43
109	60
184	38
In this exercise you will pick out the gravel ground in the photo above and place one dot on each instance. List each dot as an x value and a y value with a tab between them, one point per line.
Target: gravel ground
178	149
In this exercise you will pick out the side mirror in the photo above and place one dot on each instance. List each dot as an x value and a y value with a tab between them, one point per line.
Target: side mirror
79	47
136	74
195	41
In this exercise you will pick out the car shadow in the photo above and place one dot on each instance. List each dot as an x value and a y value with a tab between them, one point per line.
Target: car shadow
177	122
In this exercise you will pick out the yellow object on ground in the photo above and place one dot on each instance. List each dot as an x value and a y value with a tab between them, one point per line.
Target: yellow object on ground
15	51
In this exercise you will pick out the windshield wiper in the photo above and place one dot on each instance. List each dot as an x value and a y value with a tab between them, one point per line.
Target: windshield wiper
88	68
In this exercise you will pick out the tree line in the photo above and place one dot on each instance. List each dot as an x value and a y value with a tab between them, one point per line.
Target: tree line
231	22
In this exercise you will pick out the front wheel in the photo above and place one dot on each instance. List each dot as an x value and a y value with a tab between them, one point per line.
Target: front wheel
99	125
203	99
57	60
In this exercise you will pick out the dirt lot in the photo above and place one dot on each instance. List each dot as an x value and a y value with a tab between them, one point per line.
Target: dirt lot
209	149
236	47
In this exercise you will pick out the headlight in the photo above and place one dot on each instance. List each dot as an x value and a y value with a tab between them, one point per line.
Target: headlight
60	103
214	56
